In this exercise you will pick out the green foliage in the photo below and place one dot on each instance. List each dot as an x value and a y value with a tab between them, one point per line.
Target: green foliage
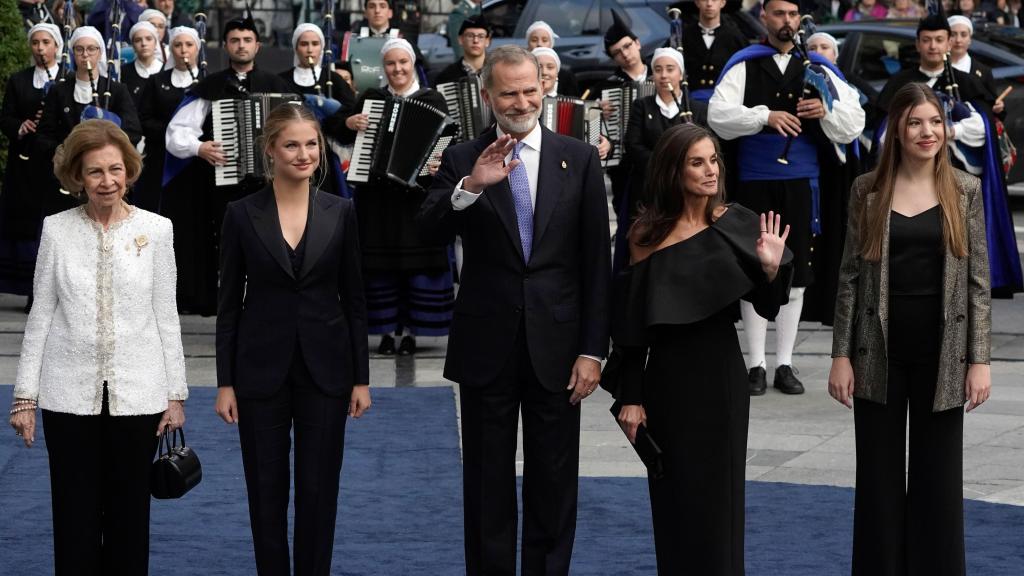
14	55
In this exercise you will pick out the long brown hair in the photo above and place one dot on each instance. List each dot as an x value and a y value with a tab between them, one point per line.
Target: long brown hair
663	195
873	219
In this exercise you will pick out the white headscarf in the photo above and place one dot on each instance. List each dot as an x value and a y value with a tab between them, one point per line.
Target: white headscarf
150	13
143	26
188	30
831	40
953	20
544	51
672	53
541	25
401	43
89	32
299	31
50	29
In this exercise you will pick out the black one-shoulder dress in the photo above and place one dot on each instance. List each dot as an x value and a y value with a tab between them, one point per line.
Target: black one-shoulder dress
676	352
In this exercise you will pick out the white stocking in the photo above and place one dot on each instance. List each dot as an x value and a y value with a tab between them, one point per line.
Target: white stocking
756	329
787	323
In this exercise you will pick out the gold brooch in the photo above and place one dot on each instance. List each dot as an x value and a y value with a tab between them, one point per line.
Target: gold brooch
140	243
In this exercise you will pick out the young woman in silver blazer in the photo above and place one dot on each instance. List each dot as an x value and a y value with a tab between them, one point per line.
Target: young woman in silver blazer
912	328
101	356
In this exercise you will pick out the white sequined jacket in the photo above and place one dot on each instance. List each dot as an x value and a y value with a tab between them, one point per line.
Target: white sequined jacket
104	311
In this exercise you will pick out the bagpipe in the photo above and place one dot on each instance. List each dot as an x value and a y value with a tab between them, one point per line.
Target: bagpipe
816	80
200	24
323	104
100	110
675	41
68	26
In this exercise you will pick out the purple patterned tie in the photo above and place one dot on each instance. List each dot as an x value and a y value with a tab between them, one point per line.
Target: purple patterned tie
519	183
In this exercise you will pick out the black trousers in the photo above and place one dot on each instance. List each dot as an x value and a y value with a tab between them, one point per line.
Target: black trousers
551	440
99	485
264	428
912	527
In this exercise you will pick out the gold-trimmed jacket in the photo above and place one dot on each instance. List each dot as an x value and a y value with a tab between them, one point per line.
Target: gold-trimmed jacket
862	304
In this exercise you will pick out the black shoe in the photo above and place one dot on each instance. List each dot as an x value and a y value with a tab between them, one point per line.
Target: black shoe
757	381
785	380
387	345
407	346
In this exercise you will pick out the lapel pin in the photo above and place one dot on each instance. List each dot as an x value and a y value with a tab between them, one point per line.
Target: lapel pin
564	165
649	117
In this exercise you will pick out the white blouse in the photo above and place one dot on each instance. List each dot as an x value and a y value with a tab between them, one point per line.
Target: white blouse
104	311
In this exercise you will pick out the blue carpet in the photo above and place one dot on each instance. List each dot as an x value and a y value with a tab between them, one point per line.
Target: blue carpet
400	510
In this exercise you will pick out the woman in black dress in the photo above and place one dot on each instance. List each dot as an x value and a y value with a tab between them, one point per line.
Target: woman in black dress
693	259
912	334
311	80
160	99
291	343
144	39
409	287
21	209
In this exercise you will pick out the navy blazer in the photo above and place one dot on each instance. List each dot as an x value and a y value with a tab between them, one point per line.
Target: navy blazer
264	309
560	297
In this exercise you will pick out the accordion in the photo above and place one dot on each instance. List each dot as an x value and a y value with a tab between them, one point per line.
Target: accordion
466	106
621	98
237	125
424	133
580	119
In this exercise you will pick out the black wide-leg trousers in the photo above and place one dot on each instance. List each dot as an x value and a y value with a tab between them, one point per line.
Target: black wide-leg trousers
265	431
909	523
99	487
551	440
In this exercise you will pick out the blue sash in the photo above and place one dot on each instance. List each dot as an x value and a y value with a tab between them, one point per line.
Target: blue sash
758	156
172	164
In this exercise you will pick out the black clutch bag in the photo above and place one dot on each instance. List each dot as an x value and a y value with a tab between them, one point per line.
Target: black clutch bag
646	448
176	470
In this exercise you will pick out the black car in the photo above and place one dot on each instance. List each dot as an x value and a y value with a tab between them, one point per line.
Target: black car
871	52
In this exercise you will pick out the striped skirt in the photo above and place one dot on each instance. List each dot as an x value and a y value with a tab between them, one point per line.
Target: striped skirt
420	303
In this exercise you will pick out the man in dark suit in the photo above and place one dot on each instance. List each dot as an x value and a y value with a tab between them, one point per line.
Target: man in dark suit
531	318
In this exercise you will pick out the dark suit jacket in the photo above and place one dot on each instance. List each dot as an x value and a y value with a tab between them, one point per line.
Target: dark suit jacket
560	297
263	309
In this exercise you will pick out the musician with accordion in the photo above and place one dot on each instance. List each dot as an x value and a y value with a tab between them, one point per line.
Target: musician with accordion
193	186
784	106
409	288
563	114
21	202
161	96
327	94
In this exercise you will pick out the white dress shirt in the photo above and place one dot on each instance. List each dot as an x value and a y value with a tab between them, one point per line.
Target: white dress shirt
730	119
529	155
39	77
83	91
185	129
708	39
104	311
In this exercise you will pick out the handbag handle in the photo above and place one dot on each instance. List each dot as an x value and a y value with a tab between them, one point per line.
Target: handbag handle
170	440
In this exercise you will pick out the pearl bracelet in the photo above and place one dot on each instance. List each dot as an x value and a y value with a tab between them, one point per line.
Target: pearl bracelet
24	408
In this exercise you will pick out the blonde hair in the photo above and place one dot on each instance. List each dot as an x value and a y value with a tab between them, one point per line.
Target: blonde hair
873	219
87	137
279	119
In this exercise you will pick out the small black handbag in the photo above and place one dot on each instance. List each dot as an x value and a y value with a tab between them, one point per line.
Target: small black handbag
176	470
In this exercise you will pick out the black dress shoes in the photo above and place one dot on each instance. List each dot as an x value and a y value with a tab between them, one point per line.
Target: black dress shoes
387	345
757	381
786	381
407	347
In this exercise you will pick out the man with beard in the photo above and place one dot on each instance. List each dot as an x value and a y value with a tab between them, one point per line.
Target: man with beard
190	135
531	318
760	103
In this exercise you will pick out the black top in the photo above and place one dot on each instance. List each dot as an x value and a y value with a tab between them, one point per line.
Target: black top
916	253
298	254
685	283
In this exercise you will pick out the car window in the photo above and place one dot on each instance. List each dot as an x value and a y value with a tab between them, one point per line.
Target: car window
503	17
881	56
646	23
569	17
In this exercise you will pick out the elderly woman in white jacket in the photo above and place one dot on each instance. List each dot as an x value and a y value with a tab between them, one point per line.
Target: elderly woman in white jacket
101	356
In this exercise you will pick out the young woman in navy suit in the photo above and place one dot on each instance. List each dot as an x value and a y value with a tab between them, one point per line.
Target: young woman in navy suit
291	343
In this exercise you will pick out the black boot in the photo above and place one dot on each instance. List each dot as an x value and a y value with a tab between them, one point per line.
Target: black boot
757	381
785	380
408	346
387	345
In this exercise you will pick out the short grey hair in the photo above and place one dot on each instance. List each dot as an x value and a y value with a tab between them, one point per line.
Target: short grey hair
508	54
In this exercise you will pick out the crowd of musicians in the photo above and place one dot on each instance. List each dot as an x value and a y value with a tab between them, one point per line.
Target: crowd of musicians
737	175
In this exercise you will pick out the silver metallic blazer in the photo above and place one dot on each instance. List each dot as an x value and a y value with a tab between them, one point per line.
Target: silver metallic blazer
862	304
